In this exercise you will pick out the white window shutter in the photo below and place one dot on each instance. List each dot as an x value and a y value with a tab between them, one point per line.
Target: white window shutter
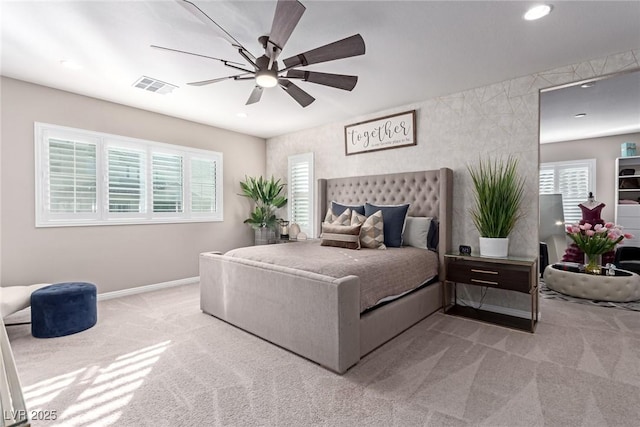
126	180
167	182
72	177
86	178
203	185
300	189
573	179
547	181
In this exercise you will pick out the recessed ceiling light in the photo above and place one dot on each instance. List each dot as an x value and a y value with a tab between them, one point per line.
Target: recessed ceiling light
537	12
588	85
580	115
71	65
242	115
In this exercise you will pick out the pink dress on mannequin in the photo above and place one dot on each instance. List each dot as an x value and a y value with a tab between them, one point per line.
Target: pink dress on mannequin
591	211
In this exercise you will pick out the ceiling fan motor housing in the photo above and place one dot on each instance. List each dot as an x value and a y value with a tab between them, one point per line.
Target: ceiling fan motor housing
266	77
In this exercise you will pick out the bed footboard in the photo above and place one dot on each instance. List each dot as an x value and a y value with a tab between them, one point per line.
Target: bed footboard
315	316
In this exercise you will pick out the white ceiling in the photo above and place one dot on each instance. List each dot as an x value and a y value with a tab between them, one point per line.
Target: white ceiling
611	105
415	51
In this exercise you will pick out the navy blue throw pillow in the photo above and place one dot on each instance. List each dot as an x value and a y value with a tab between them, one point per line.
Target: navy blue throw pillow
434	235
338	208
393	217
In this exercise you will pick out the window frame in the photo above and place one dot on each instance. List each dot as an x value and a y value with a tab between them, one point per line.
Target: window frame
291	160
104	141
591	166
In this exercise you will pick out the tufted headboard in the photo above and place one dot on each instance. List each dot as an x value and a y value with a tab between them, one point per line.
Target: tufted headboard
429	193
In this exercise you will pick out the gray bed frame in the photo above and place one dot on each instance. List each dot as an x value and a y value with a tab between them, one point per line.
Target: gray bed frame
316	316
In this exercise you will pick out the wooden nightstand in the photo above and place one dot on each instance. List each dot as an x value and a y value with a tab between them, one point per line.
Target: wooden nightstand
511	274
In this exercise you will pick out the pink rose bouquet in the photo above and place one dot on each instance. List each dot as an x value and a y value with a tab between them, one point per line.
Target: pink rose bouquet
596	240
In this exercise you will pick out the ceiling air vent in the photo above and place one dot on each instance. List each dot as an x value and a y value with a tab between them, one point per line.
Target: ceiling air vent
154	85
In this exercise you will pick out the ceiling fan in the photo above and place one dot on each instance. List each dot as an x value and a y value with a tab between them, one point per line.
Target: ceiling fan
265	69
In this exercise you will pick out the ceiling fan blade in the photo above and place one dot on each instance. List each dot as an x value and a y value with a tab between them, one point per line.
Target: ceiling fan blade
195	54
219	79
288	13
345	48
340	81
301	97
255	96
206	19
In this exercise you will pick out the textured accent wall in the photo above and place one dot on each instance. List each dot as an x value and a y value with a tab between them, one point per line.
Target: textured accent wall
454	131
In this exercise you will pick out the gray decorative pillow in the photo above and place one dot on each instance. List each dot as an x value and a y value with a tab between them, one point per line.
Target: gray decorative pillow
372	231
341	236
343	219
416	231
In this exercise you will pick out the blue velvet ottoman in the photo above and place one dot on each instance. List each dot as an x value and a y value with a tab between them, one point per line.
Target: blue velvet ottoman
63	309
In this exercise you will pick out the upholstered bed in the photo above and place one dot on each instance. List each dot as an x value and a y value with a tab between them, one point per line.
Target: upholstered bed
317	312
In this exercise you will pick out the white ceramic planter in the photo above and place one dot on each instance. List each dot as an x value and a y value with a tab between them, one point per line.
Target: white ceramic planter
494	247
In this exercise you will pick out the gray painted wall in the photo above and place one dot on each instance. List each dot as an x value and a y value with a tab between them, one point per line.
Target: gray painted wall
605	150
113	257
454	131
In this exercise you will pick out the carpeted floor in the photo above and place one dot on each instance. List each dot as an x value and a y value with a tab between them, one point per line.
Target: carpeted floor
155	360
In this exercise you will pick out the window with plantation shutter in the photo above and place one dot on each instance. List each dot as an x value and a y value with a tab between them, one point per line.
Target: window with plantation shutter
167	183
573	179
71	176
300	187
92	178
126	180
203	185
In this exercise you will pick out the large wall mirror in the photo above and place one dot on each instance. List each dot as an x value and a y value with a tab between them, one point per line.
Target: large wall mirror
583	127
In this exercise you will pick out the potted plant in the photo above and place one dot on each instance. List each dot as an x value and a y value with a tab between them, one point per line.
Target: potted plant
498	191
267	197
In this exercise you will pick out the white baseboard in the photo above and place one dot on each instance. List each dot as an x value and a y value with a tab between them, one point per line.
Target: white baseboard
499	309
24	314
148	288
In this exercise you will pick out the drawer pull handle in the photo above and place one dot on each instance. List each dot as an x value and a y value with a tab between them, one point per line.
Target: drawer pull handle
484	271
488	282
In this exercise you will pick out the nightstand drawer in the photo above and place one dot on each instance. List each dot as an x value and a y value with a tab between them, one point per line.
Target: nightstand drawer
495	275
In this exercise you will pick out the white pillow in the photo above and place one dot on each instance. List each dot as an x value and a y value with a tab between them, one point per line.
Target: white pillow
416	231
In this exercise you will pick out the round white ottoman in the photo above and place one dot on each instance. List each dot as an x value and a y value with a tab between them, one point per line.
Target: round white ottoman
623	287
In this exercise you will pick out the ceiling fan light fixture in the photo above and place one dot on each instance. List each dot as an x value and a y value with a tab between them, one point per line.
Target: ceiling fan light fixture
266	78
537	12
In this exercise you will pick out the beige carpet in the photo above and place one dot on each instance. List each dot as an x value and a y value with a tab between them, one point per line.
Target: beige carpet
155	360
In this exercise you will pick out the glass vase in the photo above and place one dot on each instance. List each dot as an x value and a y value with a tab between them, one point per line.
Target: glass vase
592	263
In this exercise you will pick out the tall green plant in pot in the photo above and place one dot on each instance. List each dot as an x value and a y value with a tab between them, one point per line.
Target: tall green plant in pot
498	191
267	195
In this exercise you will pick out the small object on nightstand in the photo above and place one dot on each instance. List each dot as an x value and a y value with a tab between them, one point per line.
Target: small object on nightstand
302	236
284	229
294	230
465	250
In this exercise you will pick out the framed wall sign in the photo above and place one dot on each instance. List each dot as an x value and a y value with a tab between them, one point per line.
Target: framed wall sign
397	130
